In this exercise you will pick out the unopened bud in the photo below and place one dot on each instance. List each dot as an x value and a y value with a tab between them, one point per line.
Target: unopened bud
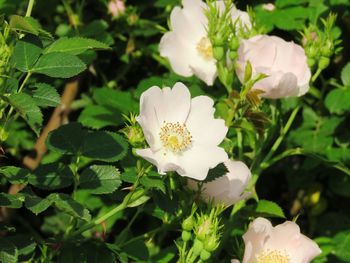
205	255
234	43
323	62
311	62
186	236
187	224
218	52
210	244
311	52
233	55
218	40
197	246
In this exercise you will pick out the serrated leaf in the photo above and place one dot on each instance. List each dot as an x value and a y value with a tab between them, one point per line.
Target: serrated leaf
338	101
345	75
28	110
8	252
116	99
153	180
11	200
66	204
45	95
25	53
100	179
51	176
97	117
75	45
37	204
97	145
216	172
269	208
59	65
25	24
25	244
15	175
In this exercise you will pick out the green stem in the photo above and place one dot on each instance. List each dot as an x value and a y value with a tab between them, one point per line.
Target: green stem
282	135
315	76
30	8
24	82
240	143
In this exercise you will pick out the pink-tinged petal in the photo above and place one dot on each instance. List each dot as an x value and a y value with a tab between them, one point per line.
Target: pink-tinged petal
164	161
197	160
234	261
205	130
255	237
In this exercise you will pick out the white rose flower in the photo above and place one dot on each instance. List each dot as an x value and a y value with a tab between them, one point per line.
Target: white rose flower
284	63
283	243
187	45
229	188
182	133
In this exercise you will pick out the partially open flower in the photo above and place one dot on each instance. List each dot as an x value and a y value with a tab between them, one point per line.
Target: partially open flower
284	63
187	45
280	244
116	8
229	188
182	133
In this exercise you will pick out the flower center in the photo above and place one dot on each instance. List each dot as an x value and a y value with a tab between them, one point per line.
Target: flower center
204	48
272	256
175	136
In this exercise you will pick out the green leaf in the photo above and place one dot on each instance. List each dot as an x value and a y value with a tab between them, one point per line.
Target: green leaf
345	75
25	24
8	252
216	172
269	208
45	95
66	204
338	100
28	110
51	176
75	45
97	145
153	180
37	204
11	200
25	244
116	99
138	197
59	65
15	175
100	179
25	53
342	244
97	117
137	250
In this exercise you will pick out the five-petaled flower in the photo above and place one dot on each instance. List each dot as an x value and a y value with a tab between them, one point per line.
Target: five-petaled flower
187	45
280	244
182	133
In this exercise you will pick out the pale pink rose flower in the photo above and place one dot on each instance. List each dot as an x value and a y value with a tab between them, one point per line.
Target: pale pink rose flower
269	7
229	188
187	45
182	133
116	8
283	243
285	64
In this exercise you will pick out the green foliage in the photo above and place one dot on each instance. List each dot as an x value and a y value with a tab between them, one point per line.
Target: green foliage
72	139
45	95
269	208
100	179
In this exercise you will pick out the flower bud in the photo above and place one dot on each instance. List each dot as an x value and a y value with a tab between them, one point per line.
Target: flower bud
210	244
205	255
185	235
311	62
323	62
203	230
218	52
311	52
233	55
218	40
327	49
188	223
197	246
234	43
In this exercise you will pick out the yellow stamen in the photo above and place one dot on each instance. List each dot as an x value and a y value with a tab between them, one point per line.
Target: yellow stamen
175	136
272	256
205	48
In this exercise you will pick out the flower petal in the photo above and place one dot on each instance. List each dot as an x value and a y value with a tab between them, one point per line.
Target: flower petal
197	160
204	69
205	130
165	161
